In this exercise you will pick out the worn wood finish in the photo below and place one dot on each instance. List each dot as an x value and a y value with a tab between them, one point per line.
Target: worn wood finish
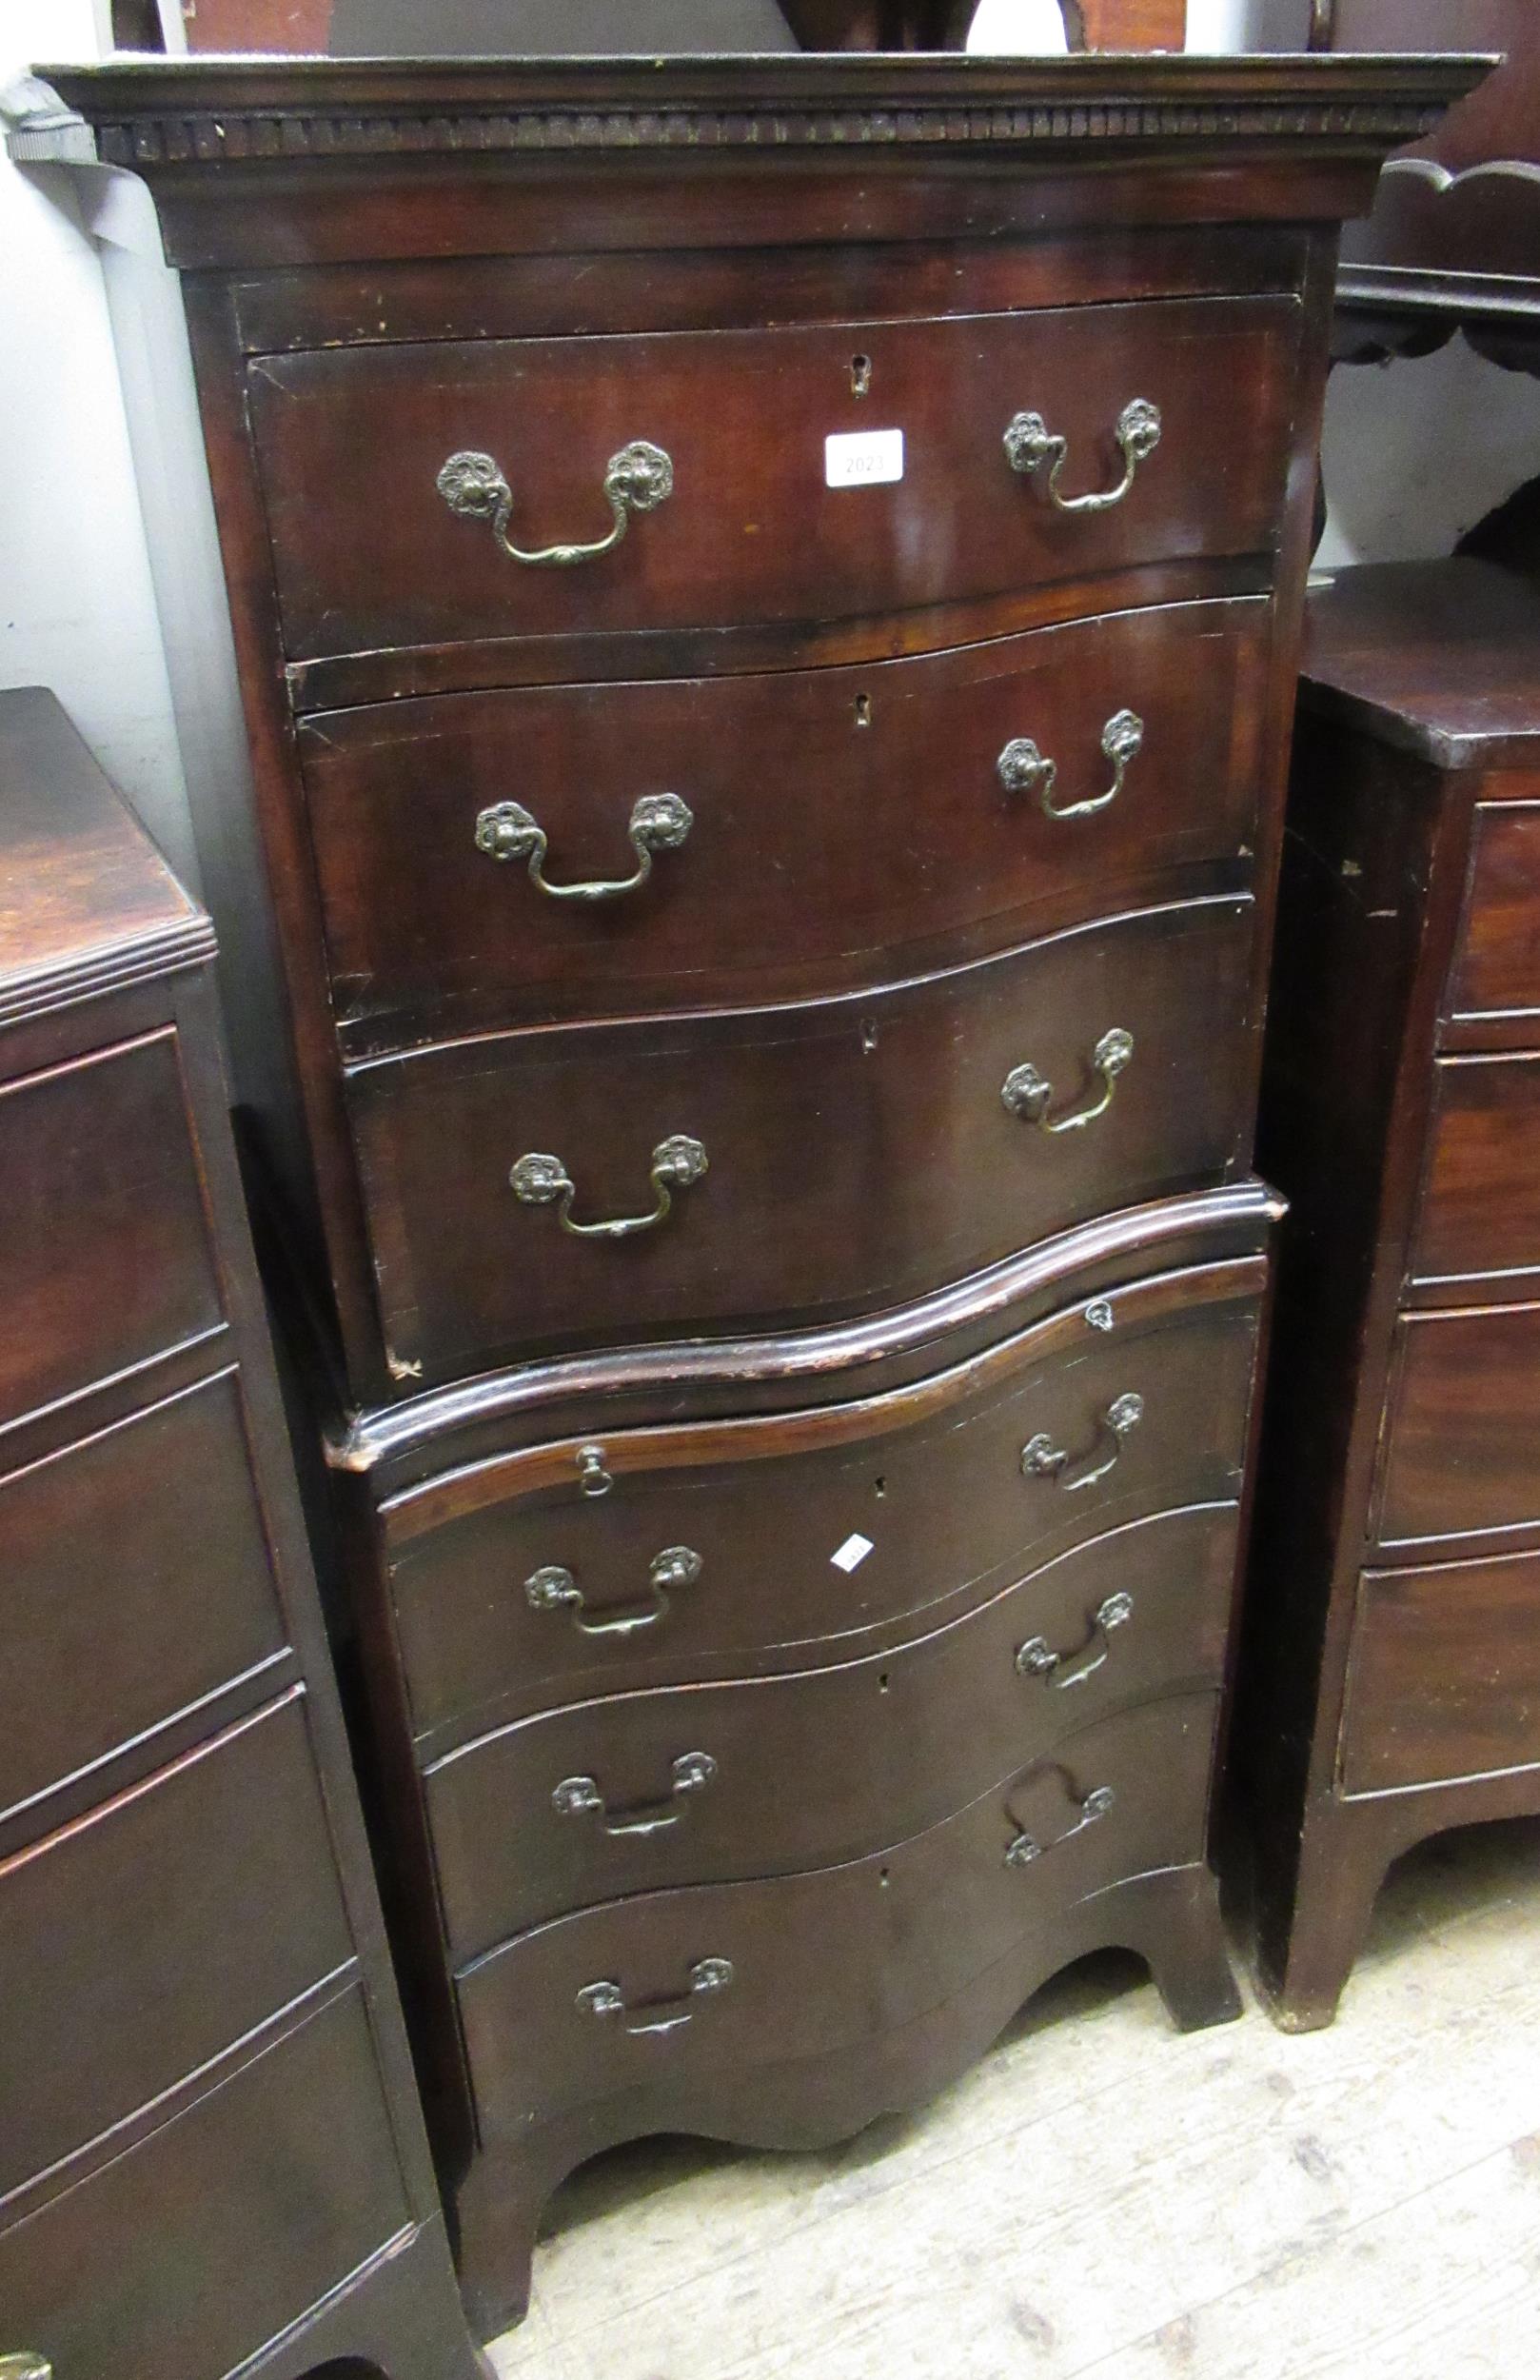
859	1150
389	263
103	2017
100	1654
1444	1680
1462	1436
765	1504
1398	1431
928	1724
778	890
204	2069
1496	978
751	532
280	2181
101	1154
1479	1231
940	1934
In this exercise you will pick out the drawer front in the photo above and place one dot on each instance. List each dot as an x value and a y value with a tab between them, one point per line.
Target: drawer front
98	1654
1481	1205
1496	971
859	1151
814	1528
832	819
187	2255
1462	1451
708	1783
140	1943
822	1960
751	531
105	1259
1444	1679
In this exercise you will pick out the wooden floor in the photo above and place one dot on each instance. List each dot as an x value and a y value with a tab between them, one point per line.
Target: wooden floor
1103	2196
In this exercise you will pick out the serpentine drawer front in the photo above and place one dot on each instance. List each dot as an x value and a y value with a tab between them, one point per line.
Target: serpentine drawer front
702	1784
1461	1451
499	859
784	1162
819	1963
513	1588
1494	987
708	451
767	596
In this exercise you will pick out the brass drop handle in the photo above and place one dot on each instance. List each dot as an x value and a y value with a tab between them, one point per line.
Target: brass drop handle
1030	444
1029	1094
1024	769
580	1798
1037	1657
537	1179
607	1999
636	480
1042	1459
552	1588
659	822
1023	1848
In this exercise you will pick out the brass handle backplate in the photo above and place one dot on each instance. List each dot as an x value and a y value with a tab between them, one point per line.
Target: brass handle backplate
538	1179
1037	1657
659	822
552	1588
1030	444
1042	1459
1024	769
1029	1094
24	2364
607	1999
636	480
580	1798
1023	1848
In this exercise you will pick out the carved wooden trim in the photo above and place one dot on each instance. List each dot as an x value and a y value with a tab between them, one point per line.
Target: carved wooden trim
146	117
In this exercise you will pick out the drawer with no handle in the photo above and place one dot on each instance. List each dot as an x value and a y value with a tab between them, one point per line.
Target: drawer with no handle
138	1944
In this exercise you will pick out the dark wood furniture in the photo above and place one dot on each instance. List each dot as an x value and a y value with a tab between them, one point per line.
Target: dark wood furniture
768	600
211	2150
1454	241
1393	1648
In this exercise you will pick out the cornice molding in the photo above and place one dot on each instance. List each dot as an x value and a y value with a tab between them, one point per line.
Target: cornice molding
259	111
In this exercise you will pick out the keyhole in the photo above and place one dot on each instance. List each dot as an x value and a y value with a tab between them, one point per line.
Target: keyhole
860	375
868	1036
863	711
883	1683
881	1486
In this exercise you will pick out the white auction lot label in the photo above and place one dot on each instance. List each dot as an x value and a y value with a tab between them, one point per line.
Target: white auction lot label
863	458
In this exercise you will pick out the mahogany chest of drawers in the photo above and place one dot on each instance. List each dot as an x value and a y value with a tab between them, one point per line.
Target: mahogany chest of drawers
211	2154
767	599
1391	1683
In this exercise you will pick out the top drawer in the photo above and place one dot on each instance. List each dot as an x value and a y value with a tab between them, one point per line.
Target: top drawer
105	1259
369	552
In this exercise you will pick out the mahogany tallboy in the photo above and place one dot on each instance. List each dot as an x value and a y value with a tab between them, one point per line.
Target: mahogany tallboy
1390	1679
211	2154
767	593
